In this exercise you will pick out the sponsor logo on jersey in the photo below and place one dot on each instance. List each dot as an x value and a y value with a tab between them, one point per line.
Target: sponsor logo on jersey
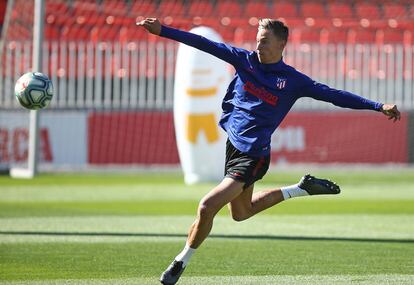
261	93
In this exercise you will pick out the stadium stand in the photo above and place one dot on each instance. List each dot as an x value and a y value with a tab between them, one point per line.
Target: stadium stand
113	20
285	9
228	8
3	5
312	9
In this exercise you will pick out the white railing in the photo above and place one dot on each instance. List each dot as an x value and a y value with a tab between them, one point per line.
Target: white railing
141	75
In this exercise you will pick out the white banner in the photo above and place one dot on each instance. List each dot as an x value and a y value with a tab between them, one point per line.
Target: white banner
62	138
201	81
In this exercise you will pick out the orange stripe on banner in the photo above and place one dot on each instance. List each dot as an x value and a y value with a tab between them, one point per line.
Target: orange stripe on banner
202	92
201	123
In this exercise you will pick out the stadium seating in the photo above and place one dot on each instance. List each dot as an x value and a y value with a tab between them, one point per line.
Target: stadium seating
172	8
236	20
390	36
228	9
340	10
312	9
361	35
285	9
200	9
258	9
394	11
309	35
337	36
367	10
143	8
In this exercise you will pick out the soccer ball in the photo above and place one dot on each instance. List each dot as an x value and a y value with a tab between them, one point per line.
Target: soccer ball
34	90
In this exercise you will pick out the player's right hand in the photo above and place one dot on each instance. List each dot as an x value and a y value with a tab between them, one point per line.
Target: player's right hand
152	25
391	111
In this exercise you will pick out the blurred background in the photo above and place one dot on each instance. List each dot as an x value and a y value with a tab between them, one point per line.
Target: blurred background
114	83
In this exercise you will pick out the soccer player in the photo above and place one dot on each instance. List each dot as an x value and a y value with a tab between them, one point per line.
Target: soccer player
261	94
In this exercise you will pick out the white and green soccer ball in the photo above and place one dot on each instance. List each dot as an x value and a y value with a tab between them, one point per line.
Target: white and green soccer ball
34	90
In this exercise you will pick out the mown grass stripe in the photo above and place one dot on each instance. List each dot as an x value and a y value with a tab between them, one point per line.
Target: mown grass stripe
159	207
43	261
392	279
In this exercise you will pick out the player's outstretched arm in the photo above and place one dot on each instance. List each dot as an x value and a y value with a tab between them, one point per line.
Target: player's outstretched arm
152	25
235	56
391	111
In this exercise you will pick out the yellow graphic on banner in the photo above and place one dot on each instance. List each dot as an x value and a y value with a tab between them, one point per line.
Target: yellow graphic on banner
201	92
196	123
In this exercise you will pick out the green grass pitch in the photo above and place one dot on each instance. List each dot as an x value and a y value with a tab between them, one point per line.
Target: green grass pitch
125	229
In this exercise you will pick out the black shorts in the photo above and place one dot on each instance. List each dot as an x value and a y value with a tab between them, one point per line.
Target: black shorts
244	168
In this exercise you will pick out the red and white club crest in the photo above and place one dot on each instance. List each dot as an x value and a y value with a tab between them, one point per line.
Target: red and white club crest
281	83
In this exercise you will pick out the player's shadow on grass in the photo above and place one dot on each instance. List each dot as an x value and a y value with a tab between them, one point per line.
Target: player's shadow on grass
166	235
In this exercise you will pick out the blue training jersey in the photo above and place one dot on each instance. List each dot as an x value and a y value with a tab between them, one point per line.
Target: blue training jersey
260	95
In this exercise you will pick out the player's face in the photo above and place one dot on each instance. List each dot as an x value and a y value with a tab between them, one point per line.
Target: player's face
269	47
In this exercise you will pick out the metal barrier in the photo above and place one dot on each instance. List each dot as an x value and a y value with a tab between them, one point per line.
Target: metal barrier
140	75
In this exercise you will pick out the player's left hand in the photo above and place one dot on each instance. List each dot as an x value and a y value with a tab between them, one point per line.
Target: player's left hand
152	25
391	111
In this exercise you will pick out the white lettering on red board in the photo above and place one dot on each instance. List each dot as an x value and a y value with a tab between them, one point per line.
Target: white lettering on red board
14	144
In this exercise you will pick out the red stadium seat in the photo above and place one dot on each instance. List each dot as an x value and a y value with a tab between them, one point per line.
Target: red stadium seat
294	35
109	33
243	35
89	18
257	9
318	22
171	8
361	36
387	36
293	22
3	5
367	10
143	9
408	37
75	33
340	10
114	7
52	32
228	9
200	8
314	15
394	11
225	31
337	36
56	7
79	6
310	35
312	9
60	19
131	33
285	9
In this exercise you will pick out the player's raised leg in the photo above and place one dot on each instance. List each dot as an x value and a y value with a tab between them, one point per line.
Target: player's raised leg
248	204
208	207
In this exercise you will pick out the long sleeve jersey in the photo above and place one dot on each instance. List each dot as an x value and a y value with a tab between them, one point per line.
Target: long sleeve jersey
260	95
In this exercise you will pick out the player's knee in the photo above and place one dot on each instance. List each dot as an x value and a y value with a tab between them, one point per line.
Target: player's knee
206	209
239	216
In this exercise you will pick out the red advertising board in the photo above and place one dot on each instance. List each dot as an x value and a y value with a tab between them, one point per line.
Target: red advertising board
340	137
132	138
304	137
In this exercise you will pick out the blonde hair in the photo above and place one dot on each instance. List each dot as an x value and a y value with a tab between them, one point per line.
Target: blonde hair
279	29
